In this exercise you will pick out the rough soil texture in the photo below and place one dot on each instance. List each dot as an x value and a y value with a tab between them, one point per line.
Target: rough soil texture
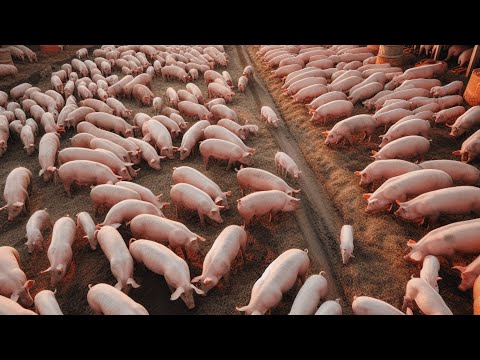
265	240
378	269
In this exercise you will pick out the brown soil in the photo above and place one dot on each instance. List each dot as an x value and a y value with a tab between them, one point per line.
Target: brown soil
265	241
378	269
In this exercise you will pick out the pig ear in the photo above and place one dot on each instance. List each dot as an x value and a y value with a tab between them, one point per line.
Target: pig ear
244	308
373	152
129	164
159	196
367	196
358	173
411	243
18	204
228	193
457	153
460	268
398	202
201	238
47	270
207	281
325	133
197	290
196	279
14	297
29	284
381	136
177	293
40	173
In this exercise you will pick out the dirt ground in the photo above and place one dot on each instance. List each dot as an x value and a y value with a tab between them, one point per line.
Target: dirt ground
330	197
265	241
378	269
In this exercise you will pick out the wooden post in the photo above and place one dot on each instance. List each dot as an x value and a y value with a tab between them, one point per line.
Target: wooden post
473	60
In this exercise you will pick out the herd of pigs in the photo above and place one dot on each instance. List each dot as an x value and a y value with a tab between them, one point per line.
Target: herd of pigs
330	81
86	96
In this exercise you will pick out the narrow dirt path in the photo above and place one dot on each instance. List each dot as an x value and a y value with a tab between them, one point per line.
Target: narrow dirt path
318	218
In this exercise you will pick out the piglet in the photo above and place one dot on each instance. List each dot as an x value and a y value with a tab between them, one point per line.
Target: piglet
330	307
46	303
469	274
346	243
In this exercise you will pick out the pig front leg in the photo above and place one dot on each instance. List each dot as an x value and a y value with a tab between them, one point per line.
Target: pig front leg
202	218
205	161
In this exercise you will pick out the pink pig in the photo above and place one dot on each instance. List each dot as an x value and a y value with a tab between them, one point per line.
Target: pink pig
186	174
365	305
192	198
47	155
460	172
406	147
312	291
469	274
410	184
278	278
194	110
442	201
427	299
17	188
121	262
60	250
163	230
105	299
126	210
457	238
224	150
332	110
217	264
107	195
191	137
259	180
405	128
221	111
14	281
348	128
85	222
265	202
39	221
385	169
429	272
285	163
163	261
74	171
110	122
